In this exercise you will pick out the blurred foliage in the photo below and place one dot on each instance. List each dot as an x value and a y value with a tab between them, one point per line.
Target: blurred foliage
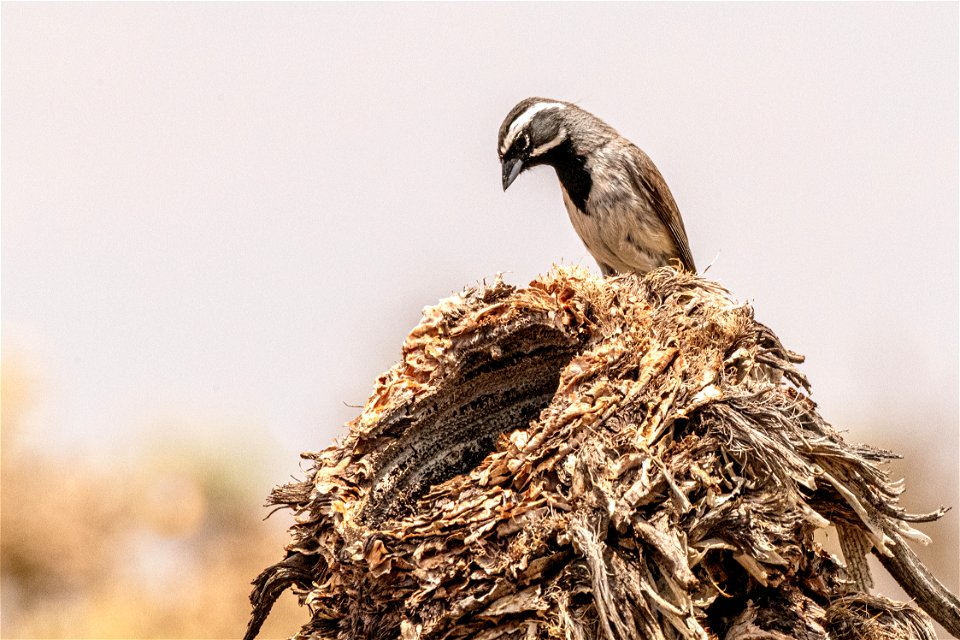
162	545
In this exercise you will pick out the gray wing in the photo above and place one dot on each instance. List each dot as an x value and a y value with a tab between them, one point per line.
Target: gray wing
647	179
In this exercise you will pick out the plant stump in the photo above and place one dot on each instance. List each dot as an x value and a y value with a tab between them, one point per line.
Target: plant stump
587	458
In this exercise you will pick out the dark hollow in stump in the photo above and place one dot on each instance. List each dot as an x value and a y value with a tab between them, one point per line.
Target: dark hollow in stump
623	458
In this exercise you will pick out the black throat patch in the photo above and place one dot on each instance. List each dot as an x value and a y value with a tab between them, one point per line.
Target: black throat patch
572	172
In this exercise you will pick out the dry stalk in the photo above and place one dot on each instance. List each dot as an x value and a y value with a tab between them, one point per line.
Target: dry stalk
585	458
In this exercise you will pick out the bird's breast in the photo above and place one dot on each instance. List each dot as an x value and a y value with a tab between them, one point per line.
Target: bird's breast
621	231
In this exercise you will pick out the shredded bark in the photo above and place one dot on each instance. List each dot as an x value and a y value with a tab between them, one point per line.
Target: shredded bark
586	458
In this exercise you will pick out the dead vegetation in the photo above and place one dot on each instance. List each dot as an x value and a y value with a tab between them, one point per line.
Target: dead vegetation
630	458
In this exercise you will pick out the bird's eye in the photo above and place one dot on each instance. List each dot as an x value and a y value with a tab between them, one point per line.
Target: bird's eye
523	142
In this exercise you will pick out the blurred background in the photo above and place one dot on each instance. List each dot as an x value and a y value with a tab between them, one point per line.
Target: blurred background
219	221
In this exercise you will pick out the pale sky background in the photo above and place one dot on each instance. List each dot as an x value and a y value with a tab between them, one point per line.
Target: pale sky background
225	218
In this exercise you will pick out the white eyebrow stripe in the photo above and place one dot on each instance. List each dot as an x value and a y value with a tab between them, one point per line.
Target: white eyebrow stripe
546	146
521	121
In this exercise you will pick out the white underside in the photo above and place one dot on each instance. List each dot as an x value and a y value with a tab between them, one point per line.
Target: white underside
608	232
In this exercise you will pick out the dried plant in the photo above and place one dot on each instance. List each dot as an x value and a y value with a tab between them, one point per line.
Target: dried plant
624	458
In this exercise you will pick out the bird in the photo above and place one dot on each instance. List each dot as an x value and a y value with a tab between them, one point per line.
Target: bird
618	202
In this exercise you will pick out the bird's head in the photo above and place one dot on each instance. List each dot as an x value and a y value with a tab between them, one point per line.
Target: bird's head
531	130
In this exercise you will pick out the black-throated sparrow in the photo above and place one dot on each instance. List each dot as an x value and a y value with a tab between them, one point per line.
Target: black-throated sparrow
618	202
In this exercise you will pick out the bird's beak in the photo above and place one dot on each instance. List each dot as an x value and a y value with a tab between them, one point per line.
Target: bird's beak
511	169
